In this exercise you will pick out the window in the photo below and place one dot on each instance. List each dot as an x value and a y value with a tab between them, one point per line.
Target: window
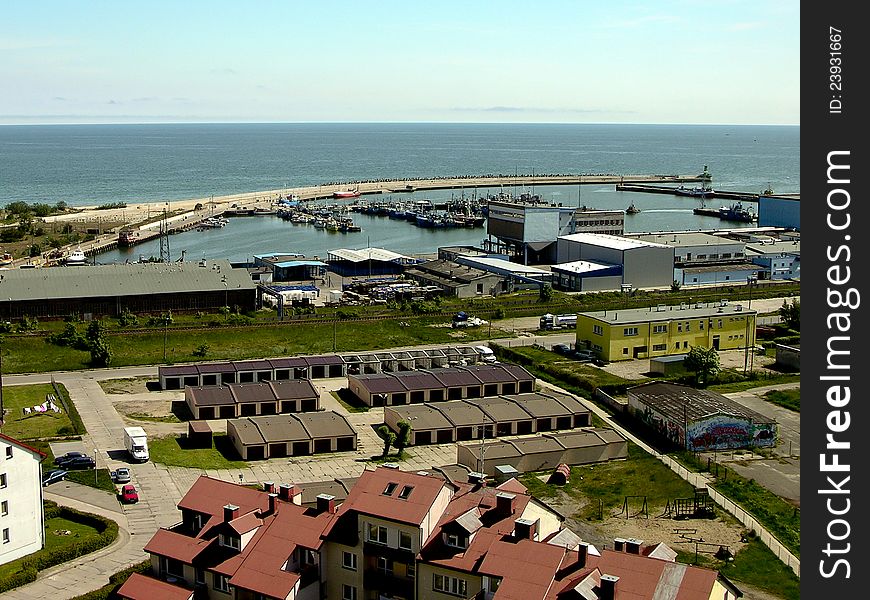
406	491
6	536
348	592
404	540
2	480
701	325
199	577
629	331
348	560
411	570
221	582
171	566
720	323
8	452
680	327
685	344
391	487
658	347
598	330
456	540
231	541
625	350
377	534
688	326
660	328
449	585
385	565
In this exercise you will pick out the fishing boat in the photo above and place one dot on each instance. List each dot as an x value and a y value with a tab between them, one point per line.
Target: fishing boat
127	237
632	209
76	258
346	194
737	212
214	223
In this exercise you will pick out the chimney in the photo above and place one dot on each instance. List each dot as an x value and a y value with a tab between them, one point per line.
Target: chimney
504	503
285	491
326	503
477	478
231	511
582	554
272	503
524	529
608	586
619	544
268	486
632	545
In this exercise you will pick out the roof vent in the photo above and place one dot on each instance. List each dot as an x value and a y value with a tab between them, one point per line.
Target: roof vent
391	465
475	477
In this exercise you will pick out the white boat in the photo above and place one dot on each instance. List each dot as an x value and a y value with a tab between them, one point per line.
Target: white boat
76	258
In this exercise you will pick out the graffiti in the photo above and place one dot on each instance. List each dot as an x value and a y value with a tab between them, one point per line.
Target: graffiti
725	432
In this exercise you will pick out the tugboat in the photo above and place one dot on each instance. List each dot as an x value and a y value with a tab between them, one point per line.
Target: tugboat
632	209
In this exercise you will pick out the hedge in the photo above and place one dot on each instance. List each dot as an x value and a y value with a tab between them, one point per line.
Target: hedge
38	561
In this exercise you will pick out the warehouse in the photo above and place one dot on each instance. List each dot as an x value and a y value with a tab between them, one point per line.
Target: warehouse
699	420
368	262
587	276
456	280
718	274
780	259
108	290
250	399
280	436
644	264
697	248
542	452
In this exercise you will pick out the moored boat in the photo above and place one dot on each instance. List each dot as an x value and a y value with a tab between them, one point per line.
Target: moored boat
632	209
127	237
76	258
346	194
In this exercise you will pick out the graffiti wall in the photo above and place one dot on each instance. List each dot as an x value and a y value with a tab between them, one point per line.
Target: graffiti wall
723	432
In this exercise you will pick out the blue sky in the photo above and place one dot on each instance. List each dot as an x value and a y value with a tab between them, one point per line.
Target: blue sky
584	61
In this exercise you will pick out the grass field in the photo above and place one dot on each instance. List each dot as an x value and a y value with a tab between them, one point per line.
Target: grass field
36	424
790	399
171	451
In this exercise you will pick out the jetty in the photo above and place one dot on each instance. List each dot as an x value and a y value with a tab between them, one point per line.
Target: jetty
664	189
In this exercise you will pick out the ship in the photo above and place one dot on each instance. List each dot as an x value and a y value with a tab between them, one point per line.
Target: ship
632	209
127	237
737	212
346	194
76	258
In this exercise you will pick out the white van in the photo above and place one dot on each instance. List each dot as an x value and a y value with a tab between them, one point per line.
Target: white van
486	354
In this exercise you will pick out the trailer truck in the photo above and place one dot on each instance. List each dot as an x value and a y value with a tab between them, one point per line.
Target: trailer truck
136	443
550	321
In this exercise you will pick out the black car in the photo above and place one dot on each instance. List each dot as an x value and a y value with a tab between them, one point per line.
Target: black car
80	462
600	362
583	356
68	456
561	348
53	477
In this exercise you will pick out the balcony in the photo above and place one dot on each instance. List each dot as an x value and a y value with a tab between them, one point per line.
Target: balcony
397	554
373	579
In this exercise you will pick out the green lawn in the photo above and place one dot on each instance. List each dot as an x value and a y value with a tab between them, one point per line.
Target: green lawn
350	402
62	532
171	451
36	424
790	399
740	386
640	475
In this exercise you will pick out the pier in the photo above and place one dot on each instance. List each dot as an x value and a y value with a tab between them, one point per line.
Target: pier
664	189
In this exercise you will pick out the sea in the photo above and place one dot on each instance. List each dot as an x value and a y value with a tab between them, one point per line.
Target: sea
157	163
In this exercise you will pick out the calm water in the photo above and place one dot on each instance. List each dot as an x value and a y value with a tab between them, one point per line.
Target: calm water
96	164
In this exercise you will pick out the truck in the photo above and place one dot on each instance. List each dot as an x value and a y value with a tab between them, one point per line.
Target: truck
550	321
486	354
136	443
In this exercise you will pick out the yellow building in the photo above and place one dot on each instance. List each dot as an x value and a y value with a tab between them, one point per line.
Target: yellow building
622	334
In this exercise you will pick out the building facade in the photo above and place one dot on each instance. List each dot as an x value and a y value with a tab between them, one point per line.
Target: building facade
21	515
664	330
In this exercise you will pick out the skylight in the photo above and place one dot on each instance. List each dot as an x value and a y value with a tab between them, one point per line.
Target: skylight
391	487
406	491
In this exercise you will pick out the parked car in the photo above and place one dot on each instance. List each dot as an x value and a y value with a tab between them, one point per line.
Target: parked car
600	362
129	495
53	477
67	457
121	475
563	349
80	462
583	356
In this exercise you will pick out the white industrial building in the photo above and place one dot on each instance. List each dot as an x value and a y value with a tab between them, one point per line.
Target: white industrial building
698	248
21	517
781	259
643	264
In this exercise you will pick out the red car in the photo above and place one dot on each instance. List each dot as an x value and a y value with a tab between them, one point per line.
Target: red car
129	495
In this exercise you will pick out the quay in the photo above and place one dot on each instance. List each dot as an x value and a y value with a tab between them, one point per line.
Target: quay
663	189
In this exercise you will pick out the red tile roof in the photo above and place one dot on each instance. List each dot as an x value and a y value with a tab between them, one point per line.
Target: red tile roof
177	546
528	568
23	445
367	495
142	587
209	496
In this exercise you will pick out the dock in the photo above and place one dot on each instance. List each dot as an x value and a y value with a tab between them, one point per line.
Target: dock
664	189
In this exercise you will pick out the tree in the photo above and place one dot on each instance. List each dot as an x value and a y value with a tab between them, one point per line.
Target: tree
676	285
403	439
704	362
386	434
546	292
791	313
101	353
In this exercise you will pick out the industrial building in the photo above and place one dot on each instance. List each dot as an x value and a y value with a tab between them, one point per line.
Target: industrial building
699	420
780	259
368	262
436	385
107	290
460	281
780	210
718	274
280	436
530	231
694	248
514	276
663	330
643	264
251	399
289	266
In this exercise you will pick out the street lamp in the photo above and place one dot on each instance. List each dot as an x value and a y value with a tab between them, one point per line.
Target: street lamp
165	328
749	332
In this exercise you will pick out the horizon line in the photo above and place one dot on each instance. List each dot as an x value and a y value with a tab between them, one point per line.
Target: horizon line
230	122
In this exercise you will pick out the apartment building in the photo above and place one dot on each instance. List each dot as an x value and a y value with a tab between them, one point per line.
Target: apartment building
21	516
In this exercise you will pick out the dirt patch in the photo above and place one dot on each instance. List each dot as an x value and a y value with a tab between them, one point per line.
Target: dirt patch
130	385
148	410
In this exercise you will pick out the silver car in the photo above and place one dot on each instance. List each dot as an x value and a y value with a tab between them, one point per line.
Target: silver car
121	475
